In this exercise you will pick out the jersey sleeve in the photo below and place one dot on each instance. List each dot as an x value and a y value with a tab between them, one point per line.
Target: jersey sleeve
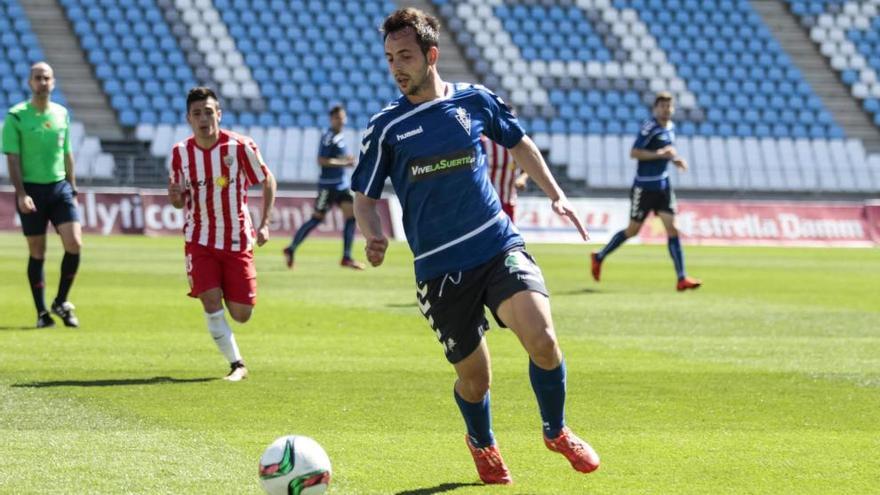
253	166
646	134
175	166
373	164
501	125
11	135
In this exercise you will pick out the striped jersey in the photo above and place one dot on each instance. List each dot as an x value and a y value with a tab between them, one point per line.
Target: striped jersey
431	151
502	170
215	183
652	175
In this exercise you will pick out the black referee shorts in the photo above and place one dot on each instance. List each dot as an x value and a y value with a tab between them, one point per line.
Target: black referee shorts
55	203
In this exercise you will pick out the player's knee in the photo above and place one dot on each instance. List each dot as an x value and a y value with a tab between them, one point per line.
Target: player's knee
241	315
475	389
318	216
544	350
672	231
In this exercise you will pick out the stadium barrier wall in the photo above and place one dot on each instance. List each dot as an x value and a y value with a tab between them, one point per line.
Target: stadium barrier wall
734	222
148	211
774	223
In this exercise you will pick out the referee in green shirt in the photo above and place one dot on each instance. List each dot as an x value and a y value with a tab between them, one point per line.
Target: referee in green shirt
36	140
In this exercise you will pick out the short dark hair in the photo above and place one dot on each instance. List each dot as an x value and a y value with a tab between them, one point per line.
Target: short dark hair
663	96
200	93
426	26
336	109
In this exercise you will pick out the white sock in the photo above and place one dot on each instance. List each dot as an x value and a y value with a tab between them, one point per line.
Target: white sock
223	337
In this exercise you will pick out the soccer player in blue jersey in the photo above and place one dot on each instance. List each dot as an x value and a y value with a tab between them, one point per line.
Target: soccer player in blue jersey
651	190
333	189
468	254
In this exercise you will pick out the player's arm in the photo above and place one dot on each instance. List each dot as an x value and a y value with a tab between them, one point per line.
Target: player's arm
175	189
529	158
521	180
69	171
269	188
25	202
342	161
367	216
664	153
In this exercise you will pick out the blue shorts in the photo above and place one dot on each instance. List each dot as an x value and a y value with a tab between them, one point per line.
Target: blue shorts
454	303
55	203
327	197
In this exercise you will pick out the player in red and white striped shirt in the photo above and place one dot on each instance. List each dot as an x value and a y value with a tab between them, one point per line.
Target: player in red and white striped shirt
210	174
504	175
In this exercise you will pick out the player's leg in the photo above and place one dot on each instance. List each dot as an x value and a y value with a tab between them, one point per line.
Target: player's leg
65	217
347	206
637	214
453	307
520	302
71	239
675	252
33	226
36	277
205	273
322	205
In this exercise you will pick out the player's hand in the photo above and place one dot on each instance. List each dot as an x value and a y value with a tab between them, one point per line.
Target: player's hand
262	235
174	189
26	204
681	163
520	183
563	208
375	250
349	159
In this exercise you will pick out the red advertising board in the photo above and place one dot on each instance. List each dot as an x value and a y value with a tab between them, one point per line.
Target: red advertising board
148	211
768	223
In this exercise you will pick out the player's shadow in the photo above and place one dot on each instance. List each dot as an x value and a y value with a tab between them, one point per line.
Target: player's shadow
402	305
11	327
441	488
577	292
156	380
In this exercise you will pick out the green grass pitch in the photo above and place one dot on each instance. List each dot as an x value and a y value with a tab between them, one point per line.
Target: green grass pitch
766	380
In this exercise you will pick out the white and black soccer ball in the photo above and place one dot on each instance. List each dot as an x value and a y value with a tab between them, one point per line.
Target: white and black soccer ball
295	465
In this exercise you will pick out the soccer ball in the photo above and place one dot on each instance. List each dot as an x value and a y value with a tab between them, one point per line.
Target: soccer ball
294	465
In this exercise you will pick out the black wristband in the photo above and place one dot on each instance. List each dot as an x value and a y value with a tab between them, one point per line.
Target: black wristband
75	192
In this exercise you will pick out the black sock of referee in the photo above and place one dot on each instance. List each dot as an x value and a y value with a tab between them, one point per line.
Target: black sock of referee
38	284
69	265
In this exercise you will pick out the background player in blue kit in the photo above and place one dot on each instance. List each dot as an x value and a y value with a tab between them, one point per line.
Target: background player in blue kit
468	254
651	190
333	189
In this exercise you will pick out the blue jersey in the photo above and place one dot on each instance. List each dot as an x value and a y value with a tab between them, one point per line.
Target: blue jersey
333	146
432	153
652	175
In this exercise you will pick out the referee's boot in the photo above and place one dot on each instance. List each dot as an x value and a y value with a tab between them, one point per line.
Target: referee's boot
580	455
64	310
44	320
490	465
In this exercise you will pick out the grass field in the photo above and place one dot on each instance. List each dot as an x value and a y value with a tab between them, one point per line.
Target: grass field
766	380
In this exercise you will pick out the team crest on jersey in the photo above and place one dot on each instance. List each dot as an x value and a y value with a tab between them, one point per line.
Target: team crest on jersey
227	160
463	118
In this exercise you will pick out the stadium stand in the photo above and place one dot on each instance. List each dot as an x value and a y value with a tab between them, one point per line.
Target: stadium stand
19	48
581	73
848	33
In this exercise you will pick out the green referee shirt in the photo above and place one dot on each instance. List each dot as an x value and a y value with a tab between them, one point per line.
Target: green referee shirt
40	139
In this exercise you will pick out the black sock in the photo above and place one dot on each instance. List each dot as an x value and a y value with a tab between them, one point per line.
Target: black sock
35	277
69	265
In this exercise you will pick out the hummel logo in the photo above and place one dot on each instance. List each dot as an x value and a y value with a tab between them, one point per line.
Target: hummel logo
408	134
